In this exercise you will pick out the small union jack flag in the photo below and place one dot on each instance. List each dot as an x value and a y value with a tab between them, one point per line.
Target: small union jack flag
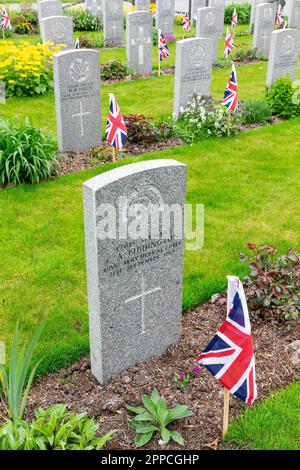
230	99
116	131
279	17
5	20
187	23
229	357
234	19
163	48
229	44
77	45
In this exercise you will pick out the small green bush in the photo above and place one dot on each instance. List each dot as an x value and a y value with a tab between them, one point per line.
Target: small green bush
248	55
202	119
257	112
25	21
83	20
27	155
88	42
243	11
53	429
284	98
115	70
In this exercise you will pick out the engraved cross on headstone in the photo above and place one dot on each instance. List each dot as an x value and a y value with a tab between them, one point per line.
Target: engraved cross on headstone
141	41
265	38
80	115
114	27
142	296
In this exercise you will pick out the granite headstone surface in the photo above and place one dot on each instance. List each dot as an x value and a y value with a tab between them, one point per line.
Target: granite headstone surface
165	16
134	285
220	7
139	27
94	7
142	5
193	70
284	54
113	22
48	8
264	25
207	26
196	4
77	99
254	4
57	29
293	11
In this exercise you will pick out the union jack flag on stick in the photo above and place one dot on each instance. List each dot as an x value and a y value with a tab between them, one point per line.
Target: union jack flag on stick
163	50
229	44
187	23
230	99
234	19
229	357
5	21
116	131
279	17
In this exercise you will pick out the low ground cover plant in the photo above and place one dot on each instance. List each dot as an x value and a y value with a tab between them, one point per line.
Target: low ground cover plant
143	130
284	97
248	55
26	69
273	284
155	417
115	70
53	429
257	112
27	154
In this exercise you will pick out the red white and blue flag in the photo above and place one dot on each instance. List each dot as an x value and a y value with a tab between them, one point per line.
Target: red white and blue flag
163	48
187	23
229	357
279	17
77	45
229	44
116	131
230	99
234	19
5	20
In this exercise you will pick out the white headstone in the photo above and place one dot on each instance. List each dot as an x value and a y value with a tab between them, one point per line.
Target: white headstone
196	4
113	22
142	5
294	13
165	16
207	26
57	29
134	281
94	7
77	99
220	6
284	53
139	27
264	26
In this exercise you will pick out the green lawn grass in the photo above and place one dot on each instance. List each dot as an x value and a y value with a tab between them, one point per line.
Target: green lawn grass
274	424
250	190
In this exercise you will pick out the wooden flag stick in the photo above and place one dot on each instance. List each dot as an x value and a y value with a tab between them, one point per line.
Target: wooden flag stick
113	154
229	123
226	411
158	41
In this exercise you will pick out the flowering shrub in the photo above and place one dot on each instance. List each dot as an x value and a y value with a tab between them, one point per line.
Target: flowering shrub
180	20
202	118
26	69
83	20
273	285
153	7
25	21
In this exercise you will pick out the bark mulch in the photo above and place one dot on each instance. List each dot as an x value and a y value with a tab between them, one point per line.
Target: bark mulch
277	365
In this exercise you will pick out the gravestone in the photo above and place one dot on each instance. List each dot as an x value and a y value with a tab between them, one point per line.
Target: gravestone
134	284
142	5
77	99
139	26
94	7
193	70
2	92
113	22
294	13
284	53
207	26
254	4
165	16
264	26
48	8
57	29
220	7
196	4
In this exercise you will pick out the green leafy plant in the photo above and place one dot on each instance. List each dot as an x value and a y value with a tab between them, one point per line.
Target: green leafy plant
202	119
248	55
83	20
141	130
284	97
13	382
115	70
25	21
273	284
243	11
53	429
257	111
155	418
27	154
88	42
